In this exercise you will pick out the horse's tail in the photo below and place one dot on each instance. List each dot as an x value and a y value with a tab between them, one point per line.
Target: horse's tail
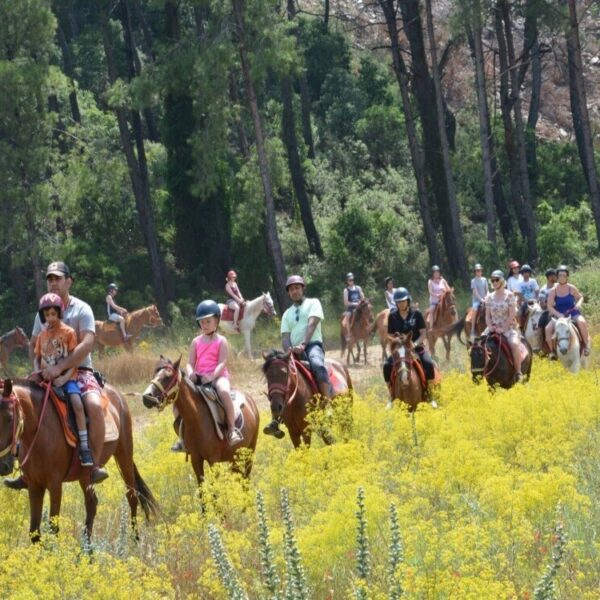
456	329
149	504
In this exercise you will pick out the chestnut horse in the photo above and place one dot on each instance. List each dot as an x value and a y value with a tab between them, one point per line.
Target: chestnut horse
108	333
490	361
171	386
473	326
361	327
444	317
15	338
381	323
407	374
292	396
31	431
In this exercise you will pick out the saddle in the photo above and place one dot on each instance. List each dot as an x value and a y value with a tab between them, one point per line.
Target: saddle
338	384
505	349
227	313
215	406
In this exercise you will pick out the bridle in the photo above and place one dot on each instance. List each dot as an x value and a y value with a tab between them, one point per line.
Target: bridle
268	307
566	338
486	356
169	392
290	389
152	320
402	364
18	424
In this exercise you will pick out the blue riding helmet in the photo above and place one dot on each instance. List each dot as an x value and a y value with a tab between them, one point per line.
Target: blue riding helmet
526	269
401	294
207	308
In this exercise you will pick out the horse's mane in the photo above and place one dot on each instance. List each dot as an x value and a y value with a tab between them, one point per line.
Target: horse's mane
273	355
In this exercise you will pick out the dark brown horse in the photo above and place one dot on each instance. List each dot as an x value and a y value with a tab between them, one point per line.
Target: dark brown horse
108	333
361	328
30	430
292	395
444	317
490	361
408	377
15	338
171	385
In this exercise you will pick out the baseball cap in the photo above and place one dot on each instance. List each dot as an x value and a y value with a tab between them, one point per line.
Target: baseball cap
58	268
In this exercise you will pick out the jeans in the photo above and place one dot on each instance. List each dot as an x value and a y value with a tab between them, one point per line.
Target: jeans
316	357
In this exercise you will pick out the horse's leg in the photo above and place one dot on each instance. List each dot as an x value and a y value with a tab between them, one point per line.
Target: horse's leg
91	504
55	491
447	344
36	502
247	343
296	437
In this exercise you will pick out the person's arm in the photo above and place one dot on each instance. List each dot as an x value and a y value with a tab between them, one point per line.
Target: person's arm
346	301
111	302
430	287
577	295
551	309
223	354
286	342
72	361
362	295
421	326
488	316
512	313
191	362
422	337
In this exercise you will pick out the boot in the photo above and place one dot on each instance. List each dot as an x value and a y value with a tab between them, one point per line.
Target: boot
429	395
390	401
99	474
273	429
18	483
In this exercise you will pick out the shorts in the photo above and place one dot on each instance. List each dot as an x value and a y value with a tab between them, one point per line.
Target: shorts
232	304
512	336
115	317
476	304
87	383
71	388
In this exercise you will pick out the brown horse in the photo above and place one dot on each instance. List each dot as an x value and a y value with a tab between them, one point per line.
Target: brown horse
444	317
361	327
15	338
408	378
473	323
381	324
31	430
109	333
171	385
293	396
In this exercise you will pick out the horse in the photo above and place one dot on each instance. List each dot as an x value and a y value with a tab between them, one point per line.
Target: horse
408	378
533	334
171	385
252	310
568	345
361	327
15	338
33	433
381	324
444	317
472	327
292	395
490	361
108	333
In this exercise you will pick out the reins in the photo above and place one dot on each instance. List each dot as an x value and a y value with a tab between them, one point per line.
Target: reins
292	381
48	386
170	391
18	424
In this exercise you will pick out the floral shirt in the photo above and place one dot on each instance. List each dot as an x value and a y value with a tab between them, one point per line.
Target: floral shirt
500	311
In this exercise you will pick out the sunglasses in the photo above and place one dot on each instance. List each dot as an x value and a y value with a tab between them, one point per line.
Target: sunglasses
494	280
297	314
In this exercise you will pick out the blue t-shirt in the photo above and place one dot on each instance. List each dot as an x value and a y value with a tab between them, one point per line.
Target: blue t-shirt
528	289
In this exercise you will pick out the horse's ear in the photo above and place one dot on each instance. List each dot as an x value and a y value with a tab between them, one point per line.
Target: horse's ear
176	365
7	388
265	354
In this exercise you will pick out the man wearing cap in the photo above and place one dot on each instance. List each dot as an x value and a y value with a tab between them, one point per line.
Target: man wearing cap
301	333
353	294
78	315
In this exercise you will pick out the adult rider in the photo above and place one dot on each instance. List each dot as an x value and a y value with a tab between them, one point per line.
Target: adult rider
403	319
78	315
301	333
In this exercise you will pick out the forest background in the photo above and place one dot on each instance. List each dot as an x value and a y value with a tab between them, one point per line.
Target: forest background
159	143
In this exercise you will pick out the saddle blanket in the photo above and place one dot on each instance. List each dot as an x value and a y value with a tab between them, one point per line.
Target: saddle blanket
217	412
339	385
227	313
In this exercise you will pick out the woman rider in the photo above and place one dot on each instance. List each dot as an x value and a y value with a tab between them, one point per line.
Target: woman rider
353	294
501	317
565	300
437	285
404	319
389	293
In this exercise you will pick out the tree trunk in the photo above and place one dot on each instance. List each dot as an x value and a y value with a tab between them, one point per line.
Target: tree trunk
416	156
139	182
581	117
484	133
534	112
69	71
273	243
288	131
454	225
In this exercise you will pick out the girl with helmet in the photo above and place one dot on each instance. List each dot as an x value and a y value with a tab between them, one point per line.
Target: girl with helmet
207	362
565	300
479	287
234	297
513	283
501	317
116	313
389	293
404	319
54	343
353	294
437	285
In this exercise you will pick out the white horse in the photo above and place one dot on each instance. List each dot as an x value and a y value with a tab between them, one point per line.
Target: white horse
568	348
252	310
533	334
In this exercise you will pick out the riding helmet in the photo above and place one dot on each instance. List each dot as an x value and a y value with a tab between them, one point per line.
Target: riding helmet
207	308
231	273
349	276
497	274
562	268
477	267
514	264
526	268
49	301
401	294
387	280
292	279
112	286
435	268
551	271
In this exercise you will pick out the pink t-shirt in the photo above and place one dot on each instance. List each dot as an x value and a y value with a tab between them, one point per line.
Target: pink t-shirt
207	356
436	289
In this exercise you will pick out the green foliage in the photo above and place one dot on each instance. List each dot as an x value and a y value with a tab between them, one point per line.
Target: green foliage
227	573
295	580
546	587
396	556
363	556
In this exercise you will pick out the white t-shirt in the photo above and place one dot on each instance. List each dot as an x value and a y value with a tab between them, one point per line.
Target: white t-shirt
513	283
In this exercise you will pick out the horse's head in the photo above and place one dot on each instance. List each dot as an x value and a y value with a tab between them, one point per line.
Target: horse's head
276	369
11	427
562	334
163	389
268	305
401	347
478	355
154	318
21	339
448	302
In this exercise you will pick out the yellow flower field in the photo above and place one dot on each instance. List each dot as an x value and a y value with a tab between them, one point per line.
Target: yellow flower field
479	487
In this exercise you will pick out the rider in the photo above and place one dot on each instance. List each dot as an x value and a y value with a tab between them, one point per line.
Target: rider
500	317
479	290
528	292
234	297
404	319
353	294
437	285
565	300
551	279
301	333
207	362
78	315
53	345
513	283
389	293
115	312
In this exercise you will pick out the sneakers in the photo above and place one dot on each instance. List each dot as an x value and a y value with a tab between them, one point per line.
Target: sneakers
18	483
519	377
99	474
273	429
389	405
85	457
433	403
586	351
178	446
234	436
